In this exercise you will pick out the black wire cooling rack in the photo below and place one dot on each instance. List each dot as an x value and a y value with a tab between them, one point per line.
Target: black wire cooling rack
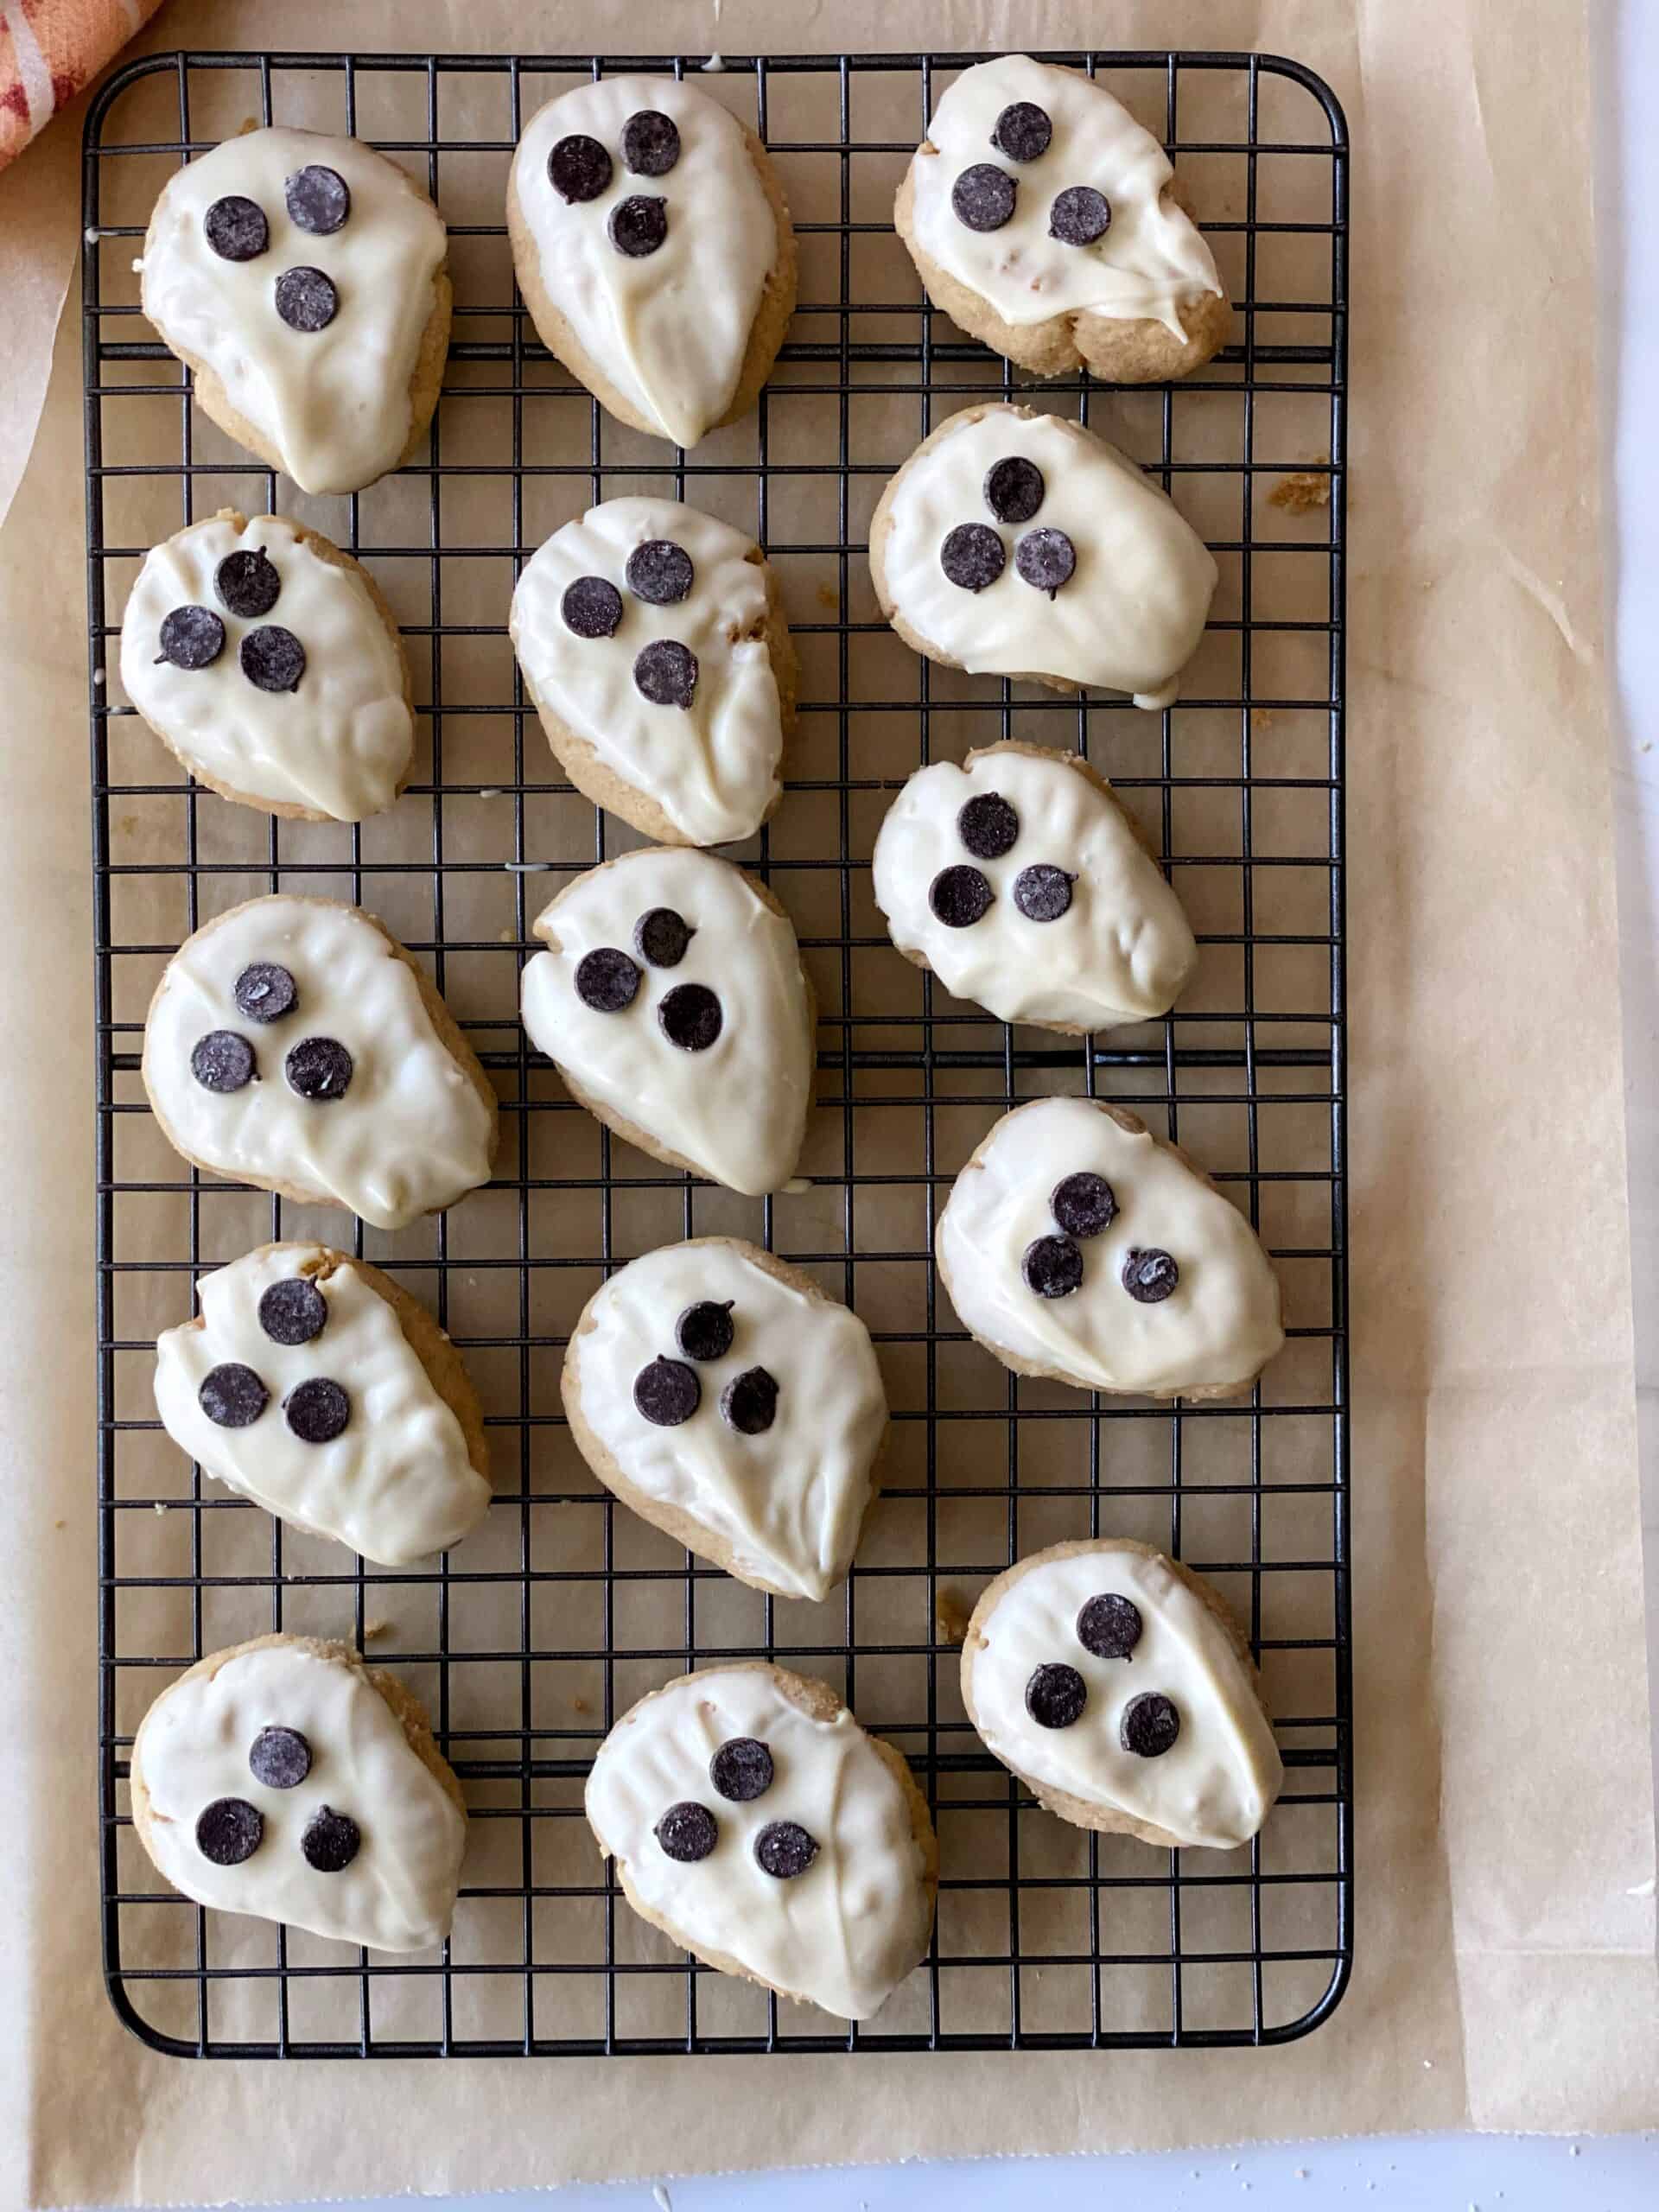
558	1613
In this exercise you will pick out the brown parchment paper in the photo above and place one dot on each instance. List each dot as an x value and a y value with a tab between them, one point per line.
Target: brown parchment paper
1505	1859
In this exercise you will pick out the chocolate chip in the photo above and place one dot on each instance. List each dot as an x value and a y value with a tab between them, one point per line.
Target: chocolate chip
982	197
687	1832
650	144
705	1331
741	1769
273	659
1149	1725
229	1830
305	298
666	1393
578	167
236	228
1045	559
1109	1626
1022	131
1052	1267
293	1311
280	1757
638	225
319	1068
972	555
750	1404
1079	215
222	1061
1043	892
592	607
319	199
666	673
690	1016
233	1396
1149	1276
247	584
784	1849
317	1410
265	992
331	1840
960	897
1014	489
988	826
1055	1696
1083	1204
607	979
191	637
659	572
660	936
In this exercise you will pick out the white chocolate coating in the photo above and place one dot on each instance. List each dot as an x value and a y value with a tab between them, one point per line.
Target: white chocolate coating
337	745
846	1932
1152	260
1216	1329
1131	615
334	403
789	1503
1214	1785
736	1111
410	1135
1121	952
669	328
712	768
396	1484
397	1894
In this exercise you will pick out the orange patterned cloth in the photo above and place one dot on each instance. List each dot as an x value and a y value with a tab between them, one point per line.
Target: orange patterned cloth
49	51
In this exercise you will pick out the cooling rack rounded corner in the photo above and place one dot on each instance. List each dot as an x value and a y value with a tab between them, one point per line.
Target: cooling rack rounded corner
124	2005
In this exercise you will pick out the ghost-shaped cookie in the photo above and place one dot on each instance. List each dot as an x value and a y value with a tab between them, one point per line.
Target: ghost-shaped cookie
720	1393
266	659
1020	881
653	642
673	999
293	1044
1113	1681
1015	543
1076	1244
302	279
310	1382
286	1779
654	247
754	1820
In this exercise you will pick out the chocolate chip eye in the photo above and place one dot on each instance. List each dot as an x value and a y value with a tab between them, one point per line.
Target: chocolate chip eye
665	672
606	980
1043	892
750	1404
1055	1696
1022	131
319	1068
265	992
331	1840
784	1849
1109	1626
236	228
247	584
639	225
650	144
691	1017
578	168
666	1393
972	557
1150	1276
292	1312
280	1757
229	1830
306	299
319	199
222	1061
1045	559
687	1832
191	637
1014	489
1083	1204
592	607
1149	1726
988	826
1079	215
982	197
741	1769
273	659
317	1410
1052	1267
705	1331
661	937
659	572
960	897
233	1396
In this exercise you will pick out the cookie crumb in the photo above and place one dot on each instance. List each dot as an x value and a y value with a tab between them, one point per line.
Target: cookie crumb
1301	493
60	1524
578	1705
951	1617
829	597
160	1506
376	1627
